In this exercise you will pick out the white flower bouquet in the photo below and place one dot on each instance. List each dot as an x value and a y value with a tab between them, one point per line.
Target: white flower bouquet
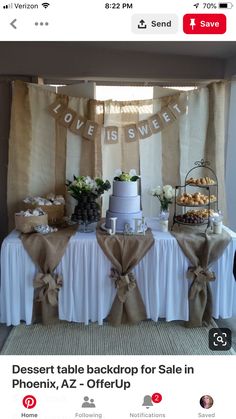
165	194
84	185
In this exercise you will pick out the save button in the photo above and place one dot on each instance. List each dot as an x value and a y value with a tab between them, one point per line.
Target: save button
204	24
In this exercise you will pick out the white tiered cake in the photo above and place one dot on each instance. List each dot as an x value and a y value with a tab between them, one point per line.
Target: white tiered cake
124	204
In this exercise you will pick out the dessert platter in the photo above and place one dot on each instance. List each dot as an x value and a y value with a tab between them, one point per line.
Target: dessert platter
206	201
202	181
195	217
87	210
53	205
195	199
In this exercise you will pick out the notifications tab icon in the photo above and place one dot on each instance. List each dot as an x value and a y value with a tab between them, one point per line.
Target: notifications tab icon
204	24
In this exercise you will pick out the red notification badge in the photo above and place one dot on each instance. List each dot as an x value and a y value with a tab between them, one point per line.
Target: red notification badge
204	24
156	397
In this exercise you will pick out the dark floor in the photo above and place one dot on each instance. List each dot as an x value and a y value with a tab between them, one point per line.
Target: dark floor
229	323
4	331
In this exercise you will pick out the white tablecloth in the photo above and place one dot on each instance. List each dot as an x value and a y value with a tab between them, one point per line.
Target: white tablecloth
88	292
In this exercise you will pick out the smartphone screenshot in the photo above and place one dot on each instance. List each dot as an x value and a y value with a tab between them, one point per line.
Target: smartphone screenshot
117	209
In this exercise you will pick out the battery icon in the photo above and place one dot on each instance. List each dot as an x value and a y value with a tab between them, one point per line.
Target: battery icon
227	5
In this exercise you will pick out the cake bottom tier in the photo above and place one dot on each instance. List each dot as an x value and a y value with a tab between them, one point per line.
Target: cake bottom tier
122	219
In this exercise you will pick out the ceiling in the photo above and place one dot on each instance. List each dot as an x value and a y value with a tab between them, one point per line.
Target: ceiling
141	61
221	50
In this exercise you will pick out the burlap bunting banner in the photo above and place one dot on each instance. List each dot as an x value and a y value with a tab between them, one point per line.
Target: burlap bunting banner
111	135
132	132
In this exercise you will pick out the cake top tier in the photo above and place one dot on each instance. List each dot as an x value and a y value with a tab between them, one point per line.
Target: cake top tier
125	189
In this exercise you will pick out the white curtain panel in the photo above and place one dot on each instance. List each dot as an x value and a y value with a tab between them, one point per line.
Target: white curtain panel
153	156
193	130
73	148
123	155
151	167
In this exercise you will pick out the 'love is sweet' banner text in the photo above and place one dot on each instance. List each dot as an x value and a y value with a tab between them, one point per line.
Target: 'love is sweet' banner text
132	132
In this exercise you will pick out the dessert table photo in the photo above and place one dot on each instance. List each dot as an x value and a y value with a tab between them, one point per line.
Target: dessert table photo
140	174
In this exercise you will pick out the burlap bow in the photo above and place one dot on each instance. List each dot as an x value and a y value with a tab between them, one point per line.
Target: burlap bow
200	276
49	286
123	283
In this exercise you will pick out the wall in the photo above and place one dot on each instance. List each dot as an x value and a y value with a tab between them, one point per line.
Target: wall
230	160
5	106
230	68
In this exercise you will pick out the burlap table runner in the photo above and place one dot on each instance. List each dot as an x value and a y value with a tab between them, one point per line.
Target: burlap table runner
125	252
46	252
202	249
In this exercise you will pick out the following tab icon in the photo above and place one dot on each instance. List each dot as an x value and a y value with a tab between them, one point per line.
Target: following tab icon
204	24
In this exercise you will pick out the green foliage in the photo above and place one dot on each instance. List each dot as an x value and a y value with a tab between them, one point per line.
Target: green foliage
84	185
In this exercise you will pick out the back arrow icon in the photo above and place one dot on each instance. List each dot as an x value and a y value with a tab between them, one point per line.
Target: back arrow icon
12	24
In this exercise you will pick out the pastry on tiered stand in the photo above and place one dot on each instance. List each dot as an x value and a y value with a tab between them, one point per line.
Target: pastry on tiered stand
197	192
195	199
202	181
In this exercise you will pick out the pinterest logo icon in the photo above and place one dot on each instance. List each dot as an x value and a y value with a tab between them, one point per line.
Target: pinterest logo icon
29	402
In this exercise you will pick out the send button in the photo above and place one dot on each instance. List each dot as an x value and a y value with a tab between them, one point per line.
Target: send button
155	24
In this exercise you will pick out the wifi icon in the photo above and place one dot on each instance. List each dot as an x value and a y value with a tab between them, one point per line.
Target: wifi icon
45	5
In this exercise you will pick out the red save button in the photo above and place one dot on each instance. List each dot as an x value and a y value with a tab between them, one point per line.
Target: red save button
206	24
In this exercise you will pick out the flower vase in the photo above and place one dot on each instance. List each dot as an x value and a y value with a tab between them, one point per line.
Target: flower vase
164	220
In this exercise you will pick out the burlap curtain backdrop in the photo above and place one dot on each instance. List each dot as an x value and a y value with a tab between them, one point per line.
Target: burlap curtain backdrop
43	154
